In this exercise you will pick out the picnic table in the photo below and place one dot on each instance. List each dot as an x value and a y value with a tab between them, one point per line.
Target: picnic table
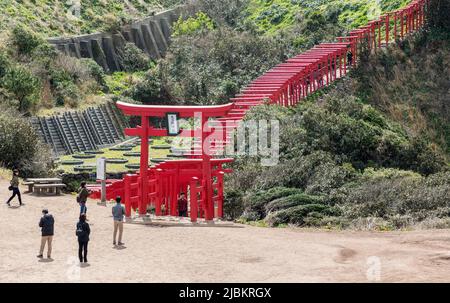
49	185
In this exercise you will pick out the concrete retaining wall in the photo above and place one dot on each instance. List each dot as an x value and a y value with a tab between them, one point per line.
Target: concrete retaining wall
151	35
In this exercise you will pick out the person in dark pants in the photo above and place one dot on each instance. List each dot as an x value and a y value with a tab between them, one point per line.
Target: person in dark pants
83	232
46	224
15	188
182	205
349	58
83	194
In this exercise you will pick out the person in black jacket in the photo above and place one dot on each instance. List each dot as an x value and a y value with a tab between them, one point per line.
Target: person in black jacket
83	232
47	228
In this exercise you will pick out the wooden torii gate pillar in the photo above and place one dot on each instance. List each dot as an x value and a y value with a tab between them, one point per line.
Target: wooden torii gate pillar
145	130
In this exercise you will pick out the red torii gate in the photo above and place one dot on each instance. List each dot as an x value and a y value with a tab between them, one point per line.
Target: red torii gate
143	183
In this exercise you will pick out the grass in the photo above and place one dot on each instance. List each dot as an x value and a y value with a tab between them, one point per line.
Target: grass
119	82
89	101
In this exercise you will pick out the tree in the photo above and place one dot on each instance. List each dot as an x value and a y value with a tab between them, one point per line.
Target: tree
23	85
25	40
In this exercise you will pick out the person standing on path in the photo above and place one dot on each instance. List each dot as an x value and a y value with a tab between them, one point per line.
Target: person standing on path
83	194
15	188
83	231
46	224
182	205
118	212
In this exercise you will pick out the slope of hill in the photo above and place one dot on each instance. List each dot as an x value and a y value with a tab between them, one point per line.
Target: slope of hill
369	152
272	15
57	18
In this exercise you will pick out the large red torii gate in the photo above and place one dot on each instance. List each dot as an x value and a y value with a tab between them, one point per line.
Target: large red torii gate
145	130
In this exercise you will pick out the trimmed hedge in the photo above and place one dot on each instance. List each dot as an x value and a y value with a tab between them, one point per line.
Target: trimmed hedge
161	147
116	160
158	160
84	168
126	148
133	166
72	162
83	156
256	202
132	154
297	214
292	200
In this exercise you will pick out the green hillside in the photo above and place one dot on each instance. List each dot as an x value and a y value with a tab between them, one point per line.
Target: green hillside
369	152
57	18
272	15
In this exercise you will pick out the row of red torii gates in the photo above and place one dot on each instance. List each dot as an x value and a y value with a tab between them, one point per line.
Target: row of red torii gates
286	84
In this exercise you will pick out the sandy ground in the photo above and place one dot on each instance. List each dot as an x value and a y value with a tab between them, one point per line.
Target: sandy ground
234	253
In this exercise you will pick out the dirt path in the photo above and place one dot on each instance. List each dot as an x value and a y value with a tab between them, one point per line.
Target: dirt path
211	254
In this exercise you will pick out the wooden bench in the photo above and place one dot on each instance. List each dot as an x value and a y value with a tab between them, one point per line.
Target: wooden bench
53	187
30	186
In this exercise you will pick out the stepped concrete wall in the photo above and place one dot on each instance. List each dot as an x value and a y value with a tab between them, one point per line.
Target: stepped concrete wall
151	35
79	131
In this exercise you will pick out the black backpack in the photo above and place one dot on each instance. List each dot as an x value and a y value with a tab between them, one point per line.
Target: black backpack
80	230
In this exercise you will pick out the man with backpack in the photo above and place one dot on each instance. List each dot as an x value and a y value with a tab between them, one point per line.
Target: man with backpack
83	231
46	224
118	212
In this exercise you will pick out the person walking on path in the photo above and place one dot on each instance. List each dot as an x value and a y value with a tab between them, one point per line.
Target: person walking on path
83	194
118	212
46	224
182	205
83	231
15	188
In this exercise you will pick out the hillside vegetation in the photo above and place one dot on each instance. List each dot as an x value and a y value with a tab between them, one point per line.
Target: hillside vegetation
226	44
273	15
58	18
370	152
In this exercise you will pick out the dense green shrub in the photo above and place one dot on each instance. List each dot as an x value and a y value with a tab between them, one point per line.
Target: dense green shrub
23	85
192	25
5	63
132	58
25	40
150	89
95	71
20	147
233	205
224	13
398	194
